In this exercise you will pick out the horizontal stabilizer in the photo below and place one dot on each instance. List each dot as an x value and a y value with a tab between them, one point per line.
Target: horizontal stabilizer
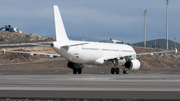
33	53
36	44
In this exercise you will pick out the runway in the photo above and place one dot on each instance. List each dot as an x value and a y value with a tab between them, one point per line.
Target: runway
133	86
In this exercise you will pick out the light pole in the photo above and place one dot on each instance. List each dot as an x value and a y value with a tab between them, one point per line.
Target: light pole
155	39
167	22
145	27
175	43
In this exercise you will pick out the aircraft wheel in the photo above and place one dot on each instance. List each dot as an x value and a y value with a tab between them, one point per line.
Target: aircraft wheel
125	72
112	70
74	71
79	70
117	70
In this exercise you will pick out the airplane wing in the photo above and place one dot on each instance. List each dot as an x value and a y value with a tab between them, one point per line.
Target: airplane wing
47	54
138	55
36	44
152	53
33	53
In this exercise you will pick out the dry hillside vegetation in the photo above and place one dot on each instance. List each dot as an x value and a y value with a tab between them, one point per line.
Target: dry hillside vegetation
165	60
20	57
15	37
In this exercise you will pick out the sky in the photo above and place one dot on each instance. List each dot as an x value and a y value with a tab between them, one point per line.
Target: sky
101	19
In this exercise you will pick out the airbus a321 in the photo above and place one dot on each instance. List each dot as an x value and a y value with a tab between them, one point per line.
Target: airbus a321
79	53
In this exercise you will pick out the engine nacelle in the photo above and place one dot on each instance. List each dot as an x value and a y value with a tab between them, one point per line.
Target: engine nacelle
75	65
70	64
133	64
52	45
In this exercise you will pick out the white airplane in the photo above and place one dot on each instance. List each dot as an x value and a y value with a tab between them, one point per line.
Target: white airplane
79	53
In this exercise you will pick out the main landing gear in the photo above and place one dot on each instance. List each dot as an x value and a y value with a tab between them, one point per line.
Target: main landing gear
76	67
115	69
77	70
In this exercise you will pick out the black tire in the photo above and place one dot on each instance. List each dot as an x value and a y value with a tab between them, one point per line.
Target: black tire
79	70
74	71
112	70
125	72
117	70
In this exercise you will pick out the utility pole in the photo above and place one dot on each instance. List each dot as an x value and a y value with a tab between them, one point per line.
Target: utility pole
145	27
175	43
155	39
167	22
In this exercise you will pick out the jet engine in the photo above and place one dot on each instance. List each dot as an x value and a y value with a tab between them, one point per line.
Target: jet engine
133	64
70	64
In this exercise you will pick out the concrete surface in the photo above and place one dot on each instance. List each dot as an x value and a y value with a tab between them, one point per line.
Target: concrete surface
136	86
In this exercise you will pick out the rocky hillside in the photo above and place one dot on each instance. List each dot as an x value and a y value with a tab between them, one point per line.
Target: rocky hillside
9	58
159	61
165	60
15	37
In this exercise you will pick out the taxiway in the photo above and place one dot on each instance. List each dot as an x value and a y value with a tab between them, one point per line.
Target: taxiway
134	86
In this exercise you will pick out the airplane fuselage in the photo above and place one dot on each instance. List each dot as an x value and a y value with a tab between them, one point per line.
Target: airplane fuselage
92	52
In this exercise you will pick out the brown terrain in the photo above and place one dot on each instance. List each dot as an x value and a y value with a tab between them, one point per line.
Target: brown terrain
17	63
15	37
20	64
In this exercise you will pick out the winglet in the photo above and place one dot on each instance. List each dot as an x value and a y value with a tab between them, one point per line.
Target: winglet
4	51
176	50
59	26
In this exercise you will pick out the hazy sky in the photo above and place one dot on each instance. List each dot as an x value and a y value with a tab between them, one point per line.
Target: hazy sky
102	19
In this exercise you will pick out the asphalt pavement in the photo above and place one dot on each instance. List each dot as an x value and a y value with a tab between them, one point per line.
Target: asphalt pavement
132	86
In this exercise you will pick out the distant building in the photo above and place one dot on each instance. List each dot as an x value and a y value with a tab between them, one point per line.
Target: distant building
10	29
112	41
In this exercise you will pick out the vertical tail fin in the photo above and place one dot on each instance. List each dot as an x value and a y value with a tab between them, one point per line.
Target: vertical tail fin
59	26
